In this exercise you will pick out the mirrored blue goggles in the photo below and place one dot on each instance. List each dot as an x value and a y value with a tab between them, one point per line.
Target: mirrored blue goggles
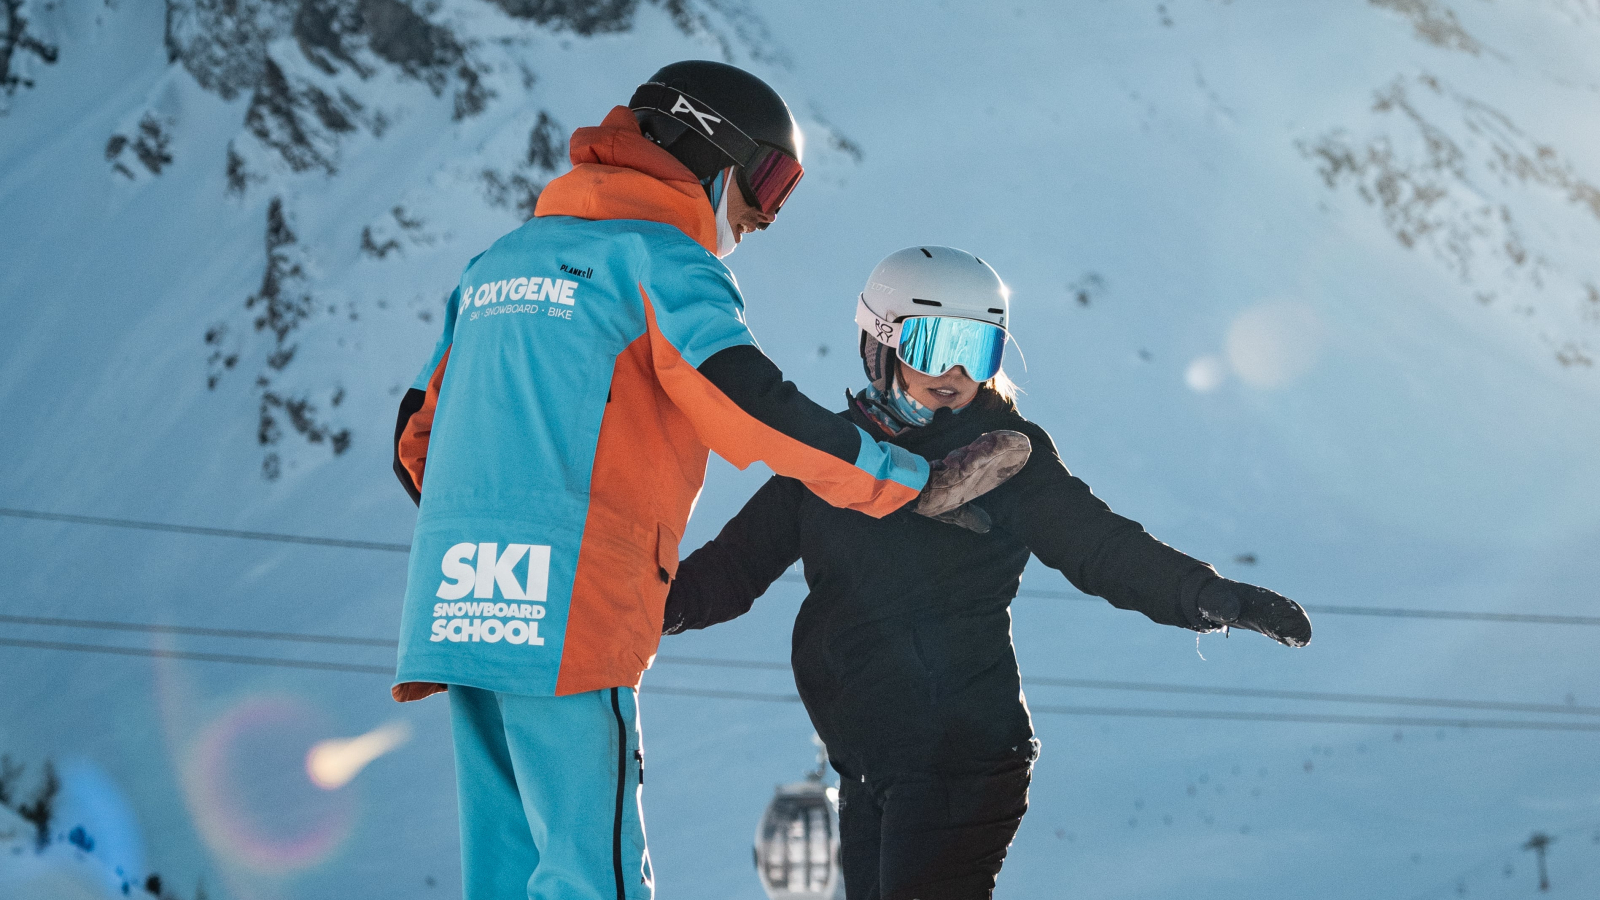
933	345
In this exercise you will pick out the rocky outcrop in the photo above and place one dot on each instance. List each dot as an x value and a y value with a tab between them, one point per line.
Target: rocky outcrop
519	187
1434	23
229	47
362	34
223	43
18	45
148	146
584	17
1460	179
281	305
316	77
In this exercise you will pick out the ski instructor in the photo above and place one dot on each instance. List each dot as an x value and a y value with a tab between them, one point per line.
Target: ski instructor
556	442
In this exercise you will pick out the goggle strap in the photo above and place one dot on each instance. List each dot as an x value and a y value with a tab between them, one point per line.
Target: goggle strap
724	135
882	330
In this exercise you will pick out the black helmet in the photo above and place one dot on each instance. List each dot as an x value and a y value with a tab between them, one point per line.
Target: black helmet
711	115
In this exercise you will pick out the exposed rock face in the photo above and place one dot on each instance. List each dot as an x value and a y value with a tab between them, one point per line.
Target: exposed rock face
333	33
147	146
16	45
223	43
1435	23
301	122
228	46
300	64
1456	177
519	188
281	306
315	83
584	17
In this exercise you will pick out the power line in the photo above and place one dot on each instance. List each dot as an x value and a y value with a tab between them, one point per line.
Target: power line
209	532
275	661
1318	696
1258	693
1327	609
1046	681
289	636
723	695
1227	715
1397	721
1385	611
1518	618
1122	712
724	663
391	547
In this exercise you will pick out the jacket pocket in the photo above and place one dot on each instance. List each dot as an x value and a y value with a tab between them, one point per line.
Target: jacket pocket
666	552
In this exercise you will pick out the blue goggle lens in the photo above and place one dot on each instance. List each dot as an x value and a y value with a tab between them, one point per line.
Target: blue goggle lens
933	345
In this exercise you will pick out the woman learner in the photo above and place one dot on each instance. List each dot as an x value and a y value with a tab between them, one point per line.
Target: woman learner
902	650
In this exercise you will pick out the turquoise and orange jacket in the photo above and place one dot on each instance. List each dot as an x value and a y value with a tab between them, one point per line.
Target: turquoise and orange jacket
558	437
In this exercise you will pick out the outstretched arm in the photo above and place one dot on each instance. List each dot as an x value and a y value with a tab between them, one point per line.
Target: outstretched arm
1100	552
1111	556
722	579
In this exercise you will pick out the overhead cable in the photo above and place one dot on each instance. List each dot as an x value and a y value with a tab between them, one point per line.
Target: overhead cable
251	634
712	662
1260	693
1123	712
395	547
209	532
1204	714
159	653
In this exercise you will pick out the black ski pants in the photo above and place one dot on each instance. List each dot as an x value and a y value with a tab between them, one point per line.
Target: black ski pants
929	837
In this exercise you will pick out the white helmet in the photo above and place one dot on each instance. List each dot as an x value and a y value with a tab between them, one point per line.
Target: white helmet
924	281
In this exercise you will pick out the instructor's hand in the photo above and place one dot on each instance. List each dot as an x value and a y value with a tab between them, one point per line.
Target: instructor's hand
968	473
1234	604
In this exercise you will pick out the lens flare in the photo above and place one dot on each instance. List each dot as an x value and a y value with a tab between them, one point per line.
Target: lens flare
249	794
1273	344
331	764
1205	374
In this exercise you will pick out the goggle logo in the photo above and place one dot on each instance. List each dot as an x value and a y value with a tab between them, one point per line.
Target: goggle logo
683	105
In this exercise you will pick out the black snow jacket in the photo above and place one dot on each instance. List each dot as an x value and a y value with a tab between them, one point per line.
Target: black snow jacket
902	651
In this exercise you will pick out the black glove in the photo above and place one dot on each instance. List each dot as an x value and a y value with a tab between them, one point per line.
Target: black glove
1234	604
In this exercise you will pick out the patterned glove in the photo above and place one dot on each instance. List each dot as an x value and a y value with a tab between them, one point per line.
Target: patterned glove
969	472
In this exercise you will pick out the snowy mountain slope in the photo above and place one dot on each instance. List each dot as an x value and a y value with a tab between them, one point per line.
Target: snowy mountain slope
1249	245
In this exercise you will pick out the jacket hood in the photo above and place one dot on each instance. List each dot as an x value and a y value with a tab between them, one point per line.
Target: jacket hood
618	173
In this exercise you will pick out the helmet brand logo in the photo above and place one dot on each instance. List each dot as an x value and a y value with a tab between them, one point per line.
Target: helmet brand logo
879	287
683	105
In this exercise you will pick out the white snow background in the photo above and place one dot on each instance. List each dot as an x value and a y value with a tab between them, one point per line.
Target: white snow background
1309	289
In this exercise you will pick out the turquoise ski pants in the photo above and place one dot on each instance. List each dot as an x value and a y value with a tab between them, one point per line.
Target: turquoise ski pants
549	793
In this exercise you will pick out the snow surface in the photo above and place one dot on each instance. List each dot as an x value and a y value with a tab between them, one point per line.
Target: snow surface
1202	208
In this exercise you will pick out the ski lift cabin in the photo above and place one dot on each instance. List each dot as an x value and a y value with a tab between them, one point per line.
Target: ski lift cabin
797	843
